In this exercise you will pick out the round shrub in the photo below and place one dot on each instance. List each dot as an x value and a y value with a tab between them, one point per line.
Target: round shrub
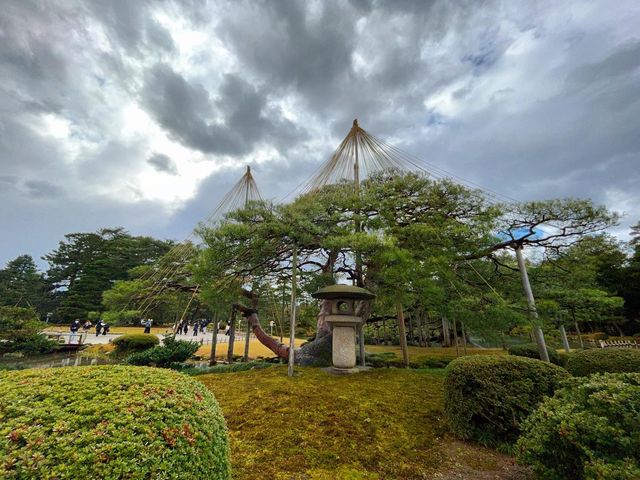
603	360
172	351
488	396
590	429
530	350
135	342
110	422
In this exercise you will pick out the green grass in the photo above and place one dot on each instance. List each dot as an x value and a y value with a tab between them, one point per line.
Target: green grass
382	424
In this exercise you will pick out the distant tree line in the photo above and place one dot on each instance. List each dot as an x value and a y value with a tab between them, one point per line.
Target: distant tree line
80	270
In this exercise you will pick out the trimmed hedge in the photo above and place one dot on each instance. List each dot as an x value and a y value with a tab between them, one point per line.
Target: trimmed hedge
173	351
135	342
589	430
488	396
109	422
603	360
530	350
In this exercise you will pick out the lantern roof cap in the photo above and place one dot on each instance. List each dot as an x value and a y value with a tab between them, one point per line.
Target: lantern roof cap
351	292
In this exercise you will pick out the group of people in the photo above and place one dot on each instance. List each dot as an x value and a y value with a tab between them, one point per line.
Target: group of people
101	327
199	326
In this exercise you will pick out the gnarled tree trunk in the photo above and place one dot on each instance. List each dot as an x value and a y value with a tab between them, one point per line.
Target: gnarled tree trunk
317	352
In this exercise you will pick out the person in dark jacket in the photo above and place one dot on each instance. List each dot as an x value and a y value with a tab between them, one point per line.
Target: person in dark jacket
75	326
98	327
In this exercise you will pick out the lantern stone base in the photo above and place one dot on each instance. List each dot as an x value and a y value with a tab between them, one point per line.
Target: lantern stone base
344	343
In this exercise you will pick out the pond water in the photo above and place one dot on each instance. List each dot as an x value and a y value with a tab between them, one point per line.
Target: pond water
62	359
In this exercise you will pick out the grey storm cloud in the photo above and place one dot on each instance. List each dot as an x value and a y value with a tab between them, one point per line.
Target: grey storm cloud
529	99
162	163
233	123
42	189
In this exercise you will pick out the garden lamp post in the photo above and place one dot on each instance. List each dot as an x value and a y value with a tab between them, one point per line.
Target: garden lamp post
343	322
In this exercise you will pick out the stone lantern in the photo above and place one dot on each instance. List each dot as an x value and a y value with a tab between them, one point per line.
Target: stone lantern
343	322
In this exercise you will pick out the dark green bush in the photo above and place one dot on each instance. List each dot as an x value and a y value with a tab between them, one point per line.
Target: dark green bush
488	396
434	362
391	360
135	342
172	351
590	429
530	350
380	360
603	360
19	332
109	422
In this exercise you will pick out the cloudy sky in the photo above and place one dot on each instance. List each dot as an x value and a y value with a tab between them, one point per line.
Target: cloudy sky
143	114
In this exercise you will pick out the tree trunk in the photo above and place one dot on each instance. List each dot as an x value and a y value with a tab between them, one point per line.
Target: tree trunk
464	338
247	339
620	332
214	340
455	337
419	322
384	332
402	334
412	338
575	322
361	350
232	335
565	340
446	333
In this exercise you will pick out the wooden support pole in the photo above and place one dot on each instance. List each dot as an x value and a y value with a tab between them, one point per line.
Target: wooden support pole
565	340
412	339
464	338
245	357
455	337
283	310
232	335
361	346
402	334
533	313
384	332
214	340
579	334
292	334
446	333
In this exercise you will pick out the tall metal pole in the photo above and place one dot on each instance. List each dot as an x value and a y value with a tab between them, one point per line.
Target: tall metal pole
533	313
292	334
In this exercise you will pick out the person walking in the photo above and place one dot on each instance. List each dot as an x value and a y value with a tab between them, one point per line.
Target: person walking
98	327
87	326
195	328
105	328
147	325
185	330
75	326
